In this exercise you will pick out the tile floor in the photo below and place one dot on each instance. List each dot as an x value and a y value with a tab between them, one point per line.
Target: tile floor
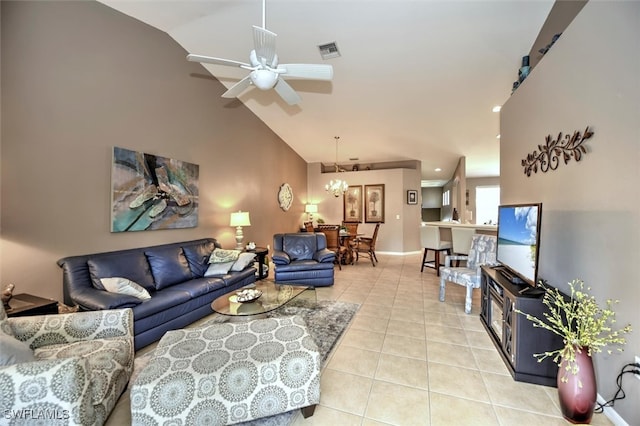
408	359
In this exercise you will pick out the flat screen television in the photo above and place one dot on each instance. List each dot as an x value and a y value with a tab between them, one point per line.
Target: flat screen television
519	242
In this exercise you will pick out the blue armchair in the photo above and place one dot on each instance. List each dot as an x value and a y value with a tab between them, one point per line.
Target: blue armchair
303	259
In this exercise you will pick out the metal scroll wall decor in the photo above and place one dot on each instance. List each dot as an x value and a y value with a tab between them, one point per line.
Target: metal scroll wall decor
548	157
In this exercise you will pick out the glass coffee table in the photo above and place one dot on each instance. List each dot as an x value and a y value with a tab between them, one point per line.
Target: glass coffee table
274	296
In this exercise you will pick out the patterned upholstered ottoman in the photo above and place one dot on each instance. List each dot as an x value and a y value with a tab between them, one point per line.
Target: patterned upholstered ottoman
228	373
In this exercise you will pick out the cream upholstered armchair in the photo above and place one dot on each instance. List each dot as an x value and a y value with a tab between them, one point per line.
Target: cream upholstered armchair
70	367
482	252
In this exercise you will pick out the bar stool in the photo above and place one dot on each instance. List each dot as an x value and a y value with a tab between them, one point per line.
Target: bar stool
430	239
461	240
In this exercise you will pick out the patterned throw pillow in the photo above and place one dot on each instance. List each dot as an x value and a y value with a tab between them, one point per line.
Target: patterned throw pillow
224	256
125	286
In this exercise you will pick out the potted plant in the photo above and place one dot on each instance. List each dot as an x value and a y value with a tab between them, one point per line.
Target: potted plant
585	328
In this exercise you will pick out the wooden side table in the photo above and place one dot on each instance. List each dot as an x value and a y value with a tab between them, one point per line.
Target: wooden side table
23	304
261	254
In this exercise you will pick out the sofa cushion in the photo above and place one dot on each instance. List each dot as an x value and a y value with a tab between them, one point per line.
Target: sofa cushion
133	266
121	285
299	247
200	286
168	265
198	257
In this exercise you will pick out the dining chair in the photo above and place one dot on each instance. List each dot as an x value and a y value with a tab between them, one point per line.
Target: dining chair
367	246
332	234
430	239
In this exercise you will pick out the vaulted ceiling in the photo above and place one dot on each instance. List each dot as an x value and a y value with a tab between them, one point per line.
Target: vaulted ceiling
416	79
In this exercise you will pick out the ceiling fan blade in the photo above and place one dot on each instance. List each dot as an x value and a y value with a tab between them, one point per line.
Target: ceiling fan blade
264	42
235	90
307	71
217	61
287	93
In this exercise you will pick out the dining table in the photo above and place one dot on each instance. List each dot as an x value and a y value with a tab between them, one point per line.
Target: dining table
345	240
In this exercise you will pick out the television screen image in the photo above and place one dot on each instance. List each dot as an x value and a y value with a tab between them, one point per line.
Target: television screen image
518	239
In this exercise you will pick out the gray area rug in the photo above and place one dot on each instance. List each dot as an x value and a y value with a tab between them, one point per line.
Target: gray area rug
326	320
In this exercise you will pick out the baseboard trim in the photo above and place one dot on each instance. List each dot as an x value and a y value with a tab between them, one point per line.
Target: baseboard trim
612	414
399	253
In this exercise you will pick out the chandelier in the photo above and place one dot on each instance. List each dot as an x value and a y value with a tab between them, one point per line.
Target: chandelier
336	187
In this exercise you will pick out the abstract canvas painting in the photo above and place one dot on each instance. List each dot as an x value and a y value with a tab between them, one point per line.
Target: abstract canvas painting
150	192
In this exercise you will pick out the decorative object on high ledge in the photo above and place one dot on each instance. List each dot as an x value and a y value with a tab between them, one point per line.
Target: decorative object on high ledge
550	152
285	196
585	328
336	187
353	204
239	219
310	209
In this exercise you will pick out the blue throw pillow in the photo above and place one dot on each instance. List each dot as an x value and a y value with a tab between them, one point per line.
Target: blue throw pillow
168	265
198	257
133	266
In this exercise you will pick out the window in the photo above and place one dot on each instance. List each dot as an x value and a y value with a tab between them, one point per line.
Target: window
445	197
487	202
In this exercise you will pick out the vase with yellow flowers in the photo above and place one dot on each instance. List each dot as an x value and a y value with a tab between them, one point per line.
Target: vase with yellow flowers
585	328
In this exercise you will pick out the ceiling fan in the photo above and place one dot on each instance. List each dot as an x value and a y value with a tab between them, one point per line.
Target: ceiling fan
266	73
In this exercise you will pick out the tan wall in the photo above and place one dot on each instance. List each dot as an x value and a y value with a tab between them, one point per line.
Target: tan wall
398	234
591	209
79	78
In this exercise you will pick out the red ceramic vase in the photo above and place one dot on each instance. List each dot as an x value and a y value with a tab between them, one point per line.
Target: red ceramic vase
577	396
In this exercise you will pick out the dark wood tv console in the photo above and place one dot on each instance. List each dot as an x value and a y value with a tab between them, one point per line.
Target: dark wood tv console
512	334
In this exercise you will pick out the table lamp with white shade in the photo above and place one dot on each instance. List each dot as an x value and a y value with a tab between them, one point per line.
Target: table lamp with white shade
310	209
239	219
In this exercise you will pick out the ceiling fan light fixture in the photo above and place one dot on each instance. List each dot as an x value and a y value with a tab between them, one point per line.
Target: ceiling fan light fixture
264	79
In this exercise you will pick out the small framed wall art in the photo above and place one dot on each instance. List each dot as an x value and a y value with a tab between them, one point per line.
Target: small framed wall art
374	203
412	196
353	204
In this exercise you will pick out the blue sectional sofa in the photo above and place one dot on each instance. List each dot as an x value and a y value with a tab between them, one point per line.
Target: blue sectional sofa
172	274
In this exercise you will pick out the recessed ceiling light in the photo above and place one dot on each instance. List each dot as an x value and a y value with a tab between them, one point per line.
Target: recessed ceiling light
496	108
438	169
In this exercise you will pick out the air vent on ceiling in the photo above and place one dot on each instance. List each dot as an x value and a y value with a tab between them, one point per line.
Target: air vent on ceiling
329	50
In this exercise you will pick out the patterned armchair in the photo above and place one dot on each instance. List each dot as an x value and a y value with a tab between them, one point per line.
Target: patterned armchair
482	252
69	368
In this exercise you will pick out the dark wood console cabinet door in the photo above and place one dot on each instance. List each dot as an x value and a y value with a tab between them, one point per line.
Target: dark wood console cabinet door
515	337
